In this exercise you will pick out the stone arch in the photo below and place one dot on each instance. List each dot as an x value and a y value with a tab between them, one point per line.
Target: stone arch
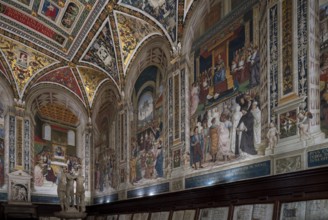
73	115
156	52
62	96
192	29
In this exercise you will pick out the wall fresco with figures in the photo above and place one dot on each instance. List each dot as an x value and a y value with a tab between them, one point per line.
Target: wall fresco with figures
225	123
225	66
147	150
105	175
52	154
105	179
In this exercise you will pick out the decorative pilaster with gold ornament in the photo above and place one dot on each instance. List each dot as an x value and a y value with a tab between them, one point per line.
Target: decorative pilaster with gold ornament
273	57
124	143
87	154
20	138
263	17
297	115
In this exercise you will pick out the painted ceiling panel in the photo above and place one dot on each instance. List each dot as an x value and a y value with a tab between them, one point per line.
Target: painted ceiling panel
132	32
91	79
63	77
24	62
42	41
163	11
54	24
102	54
3	71
58	113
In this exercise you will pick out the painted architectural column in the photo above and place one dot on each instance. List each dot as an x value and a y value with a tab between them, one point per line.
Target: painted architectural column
264	80
87	142
175	145
294	72
126	115
18	140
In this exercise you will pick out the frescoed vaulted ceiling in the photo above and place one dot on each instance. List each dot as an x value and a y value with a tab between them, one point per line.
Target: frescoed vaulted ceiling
79	44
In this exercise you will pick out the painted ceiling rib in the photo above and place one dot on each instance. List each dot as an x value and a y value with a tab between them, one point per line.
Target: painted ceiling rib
46	45
51	98
37	104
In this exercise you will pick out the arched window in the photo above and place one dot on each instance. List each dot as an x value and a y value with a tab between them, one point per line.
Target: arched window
46	132
71	138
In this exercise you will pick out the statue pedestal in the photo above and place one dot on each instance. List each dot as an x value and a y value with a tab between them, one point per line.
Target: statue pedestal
70	213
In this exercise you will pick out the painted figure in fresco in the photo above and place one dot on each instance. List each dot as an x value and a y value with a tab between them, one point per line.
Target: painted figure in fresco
133	162
149	164
195	149
59	151
22	60
48	171
97	177
159	160
70	15
206	139
38	174
255	68
205	83
200	133
241	72
235	120
219	71
245	134
50	10
304	124
272	136
245	101
288	125
194	98
214	136
256	112
224	136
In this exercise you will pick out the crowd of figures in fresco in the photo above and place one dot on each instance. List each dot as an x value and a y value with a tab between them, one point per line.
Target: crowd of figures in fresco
211	83
228	131
47	169
146	154
105	167
225	117
246	65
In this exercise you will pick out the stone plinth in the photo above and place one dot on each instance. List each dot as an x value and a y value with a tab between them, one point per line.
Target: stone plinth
70	213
